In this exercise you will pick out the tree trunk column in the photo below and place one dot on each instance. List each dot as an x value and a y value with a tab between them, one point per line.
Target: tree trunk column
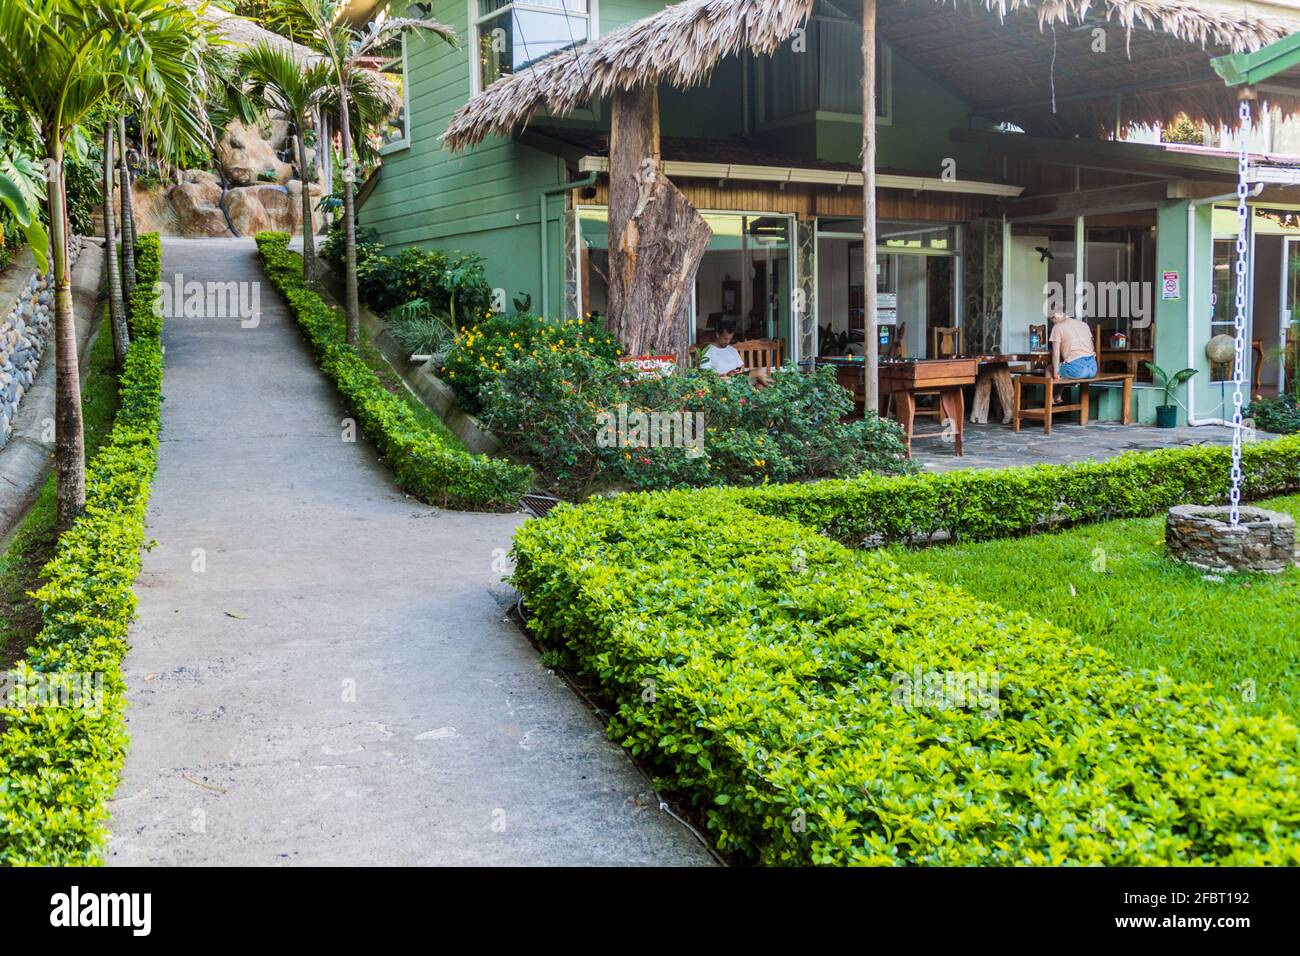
69	450
351	305
116	303
308	221
656	237
871	399
128	214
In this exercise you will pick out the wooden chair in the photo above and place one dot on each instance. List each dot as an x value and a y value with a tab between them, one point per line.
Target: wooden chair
762	353
945	342
897	348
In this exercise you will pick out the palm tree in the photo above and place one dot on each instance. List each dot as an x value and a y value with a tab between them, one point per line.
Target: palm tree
116	302
321	25
60	62
128	211
279	82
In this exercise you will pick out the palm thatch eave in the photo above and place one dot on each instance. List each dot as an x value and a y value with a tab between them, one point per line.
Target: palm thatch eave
680	45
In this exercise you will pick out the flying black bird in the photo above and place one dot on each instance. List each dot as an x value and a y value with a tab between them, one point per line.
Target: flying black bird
1044	253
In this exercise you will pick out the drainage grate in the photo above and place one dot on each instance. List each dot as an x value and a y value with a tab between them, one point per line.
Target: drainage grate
538	505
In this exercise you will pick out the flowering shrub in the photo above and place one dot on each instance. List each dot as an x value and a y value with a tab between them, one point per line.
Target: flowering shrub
482	351
1280	415
573	414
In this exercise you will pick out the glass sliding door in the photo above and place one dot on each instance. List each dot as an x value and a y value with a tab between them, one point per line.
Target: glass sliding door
1289	326
916	286
746	276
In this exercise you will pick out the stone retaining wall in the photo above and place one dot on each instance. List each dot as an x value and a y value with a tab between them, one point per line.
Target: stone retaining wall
24	333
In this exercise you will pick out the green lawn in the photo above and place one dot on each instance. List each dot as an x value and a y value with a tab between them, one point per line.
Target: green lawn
1111	584
32	543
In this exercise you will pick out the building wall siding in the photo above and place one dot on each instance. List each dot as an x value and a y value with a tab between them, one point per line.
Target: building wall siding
486	199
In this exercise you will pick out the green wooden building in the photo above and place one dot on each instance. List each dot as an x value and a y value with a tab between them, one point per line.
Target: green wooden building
1004	184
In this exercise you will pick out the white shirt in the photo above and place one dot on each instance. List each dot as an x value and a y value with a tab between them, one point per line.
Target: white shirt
722	359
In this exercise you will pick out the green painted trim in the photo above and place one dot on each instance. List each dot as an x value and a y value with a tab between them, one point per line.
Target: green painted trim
1252	68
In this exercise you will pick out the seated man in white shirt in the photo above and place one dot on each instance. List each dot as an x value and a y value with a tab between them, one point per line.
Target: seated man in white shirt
722	357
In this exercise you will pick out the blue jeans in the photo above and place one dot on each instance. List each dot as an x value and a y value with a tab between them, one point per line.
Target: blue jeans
1084	367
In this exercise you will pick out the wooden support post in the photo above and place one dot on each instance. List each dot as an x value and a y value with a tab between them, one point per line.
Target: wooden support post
656	237
871	356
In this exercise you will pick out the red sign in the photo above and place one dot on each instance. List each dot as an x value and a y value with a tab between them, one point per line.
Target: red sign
649	366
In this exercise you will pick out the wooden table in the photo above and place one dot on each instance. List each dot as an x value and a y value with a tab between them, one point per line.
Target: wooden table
906	378
995	375
1132	359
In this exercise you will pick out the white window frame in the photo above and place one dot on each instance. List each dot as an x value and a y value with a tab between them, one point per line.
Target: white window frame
405	142
475	20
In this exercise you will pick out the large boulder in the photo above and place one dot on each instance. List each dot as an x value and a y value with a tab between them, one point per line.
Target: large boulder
248	154
198	210
255	209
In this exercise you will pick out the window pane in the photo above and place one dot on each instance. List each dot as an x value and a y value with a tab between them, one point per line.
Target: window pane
916	235
840	82
826	75
394	128
486	7
515	38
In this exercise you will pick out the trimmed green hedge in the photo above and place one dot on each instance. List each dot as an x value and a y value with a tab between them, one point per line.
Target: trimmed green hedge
59	764
421	463
763	672
982	504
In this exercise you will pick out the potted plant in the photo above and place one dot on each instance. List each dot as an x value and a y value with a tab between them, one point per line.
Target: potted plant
1167	414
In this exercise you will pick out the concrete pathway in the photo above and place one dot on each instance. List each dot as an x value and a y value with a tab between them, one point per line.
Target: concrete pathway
339	684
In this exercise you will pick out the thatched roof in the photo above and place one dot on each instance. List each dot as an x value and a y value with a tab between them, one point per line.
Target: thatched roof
1004	57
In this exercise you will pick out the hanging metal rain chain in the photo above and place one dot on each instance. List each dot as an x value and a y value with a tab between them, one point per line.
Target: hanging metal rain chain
1239	320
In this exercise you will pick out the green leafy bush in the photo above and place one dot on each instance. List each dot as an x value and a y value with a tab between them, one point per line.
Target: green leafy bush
421	462
820	706
1000	503
1280	415
59	764
563	409
419	330
453	285
548	389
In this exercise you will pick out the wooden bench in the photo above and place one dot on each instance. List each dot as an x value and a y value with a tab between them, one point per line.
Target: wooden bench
1048	410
